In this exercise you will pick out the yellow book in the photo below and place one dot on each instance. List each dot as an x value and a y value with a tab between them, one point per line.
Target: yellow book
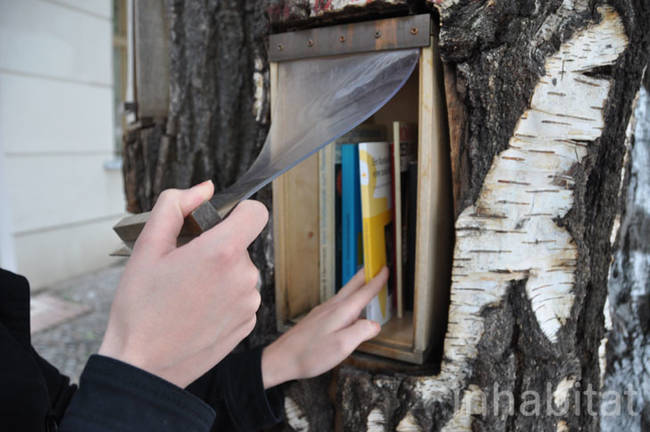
376	212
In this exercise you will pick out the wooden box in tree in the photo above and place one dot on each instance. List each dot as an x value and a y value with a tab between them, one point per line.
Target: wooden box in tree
303	253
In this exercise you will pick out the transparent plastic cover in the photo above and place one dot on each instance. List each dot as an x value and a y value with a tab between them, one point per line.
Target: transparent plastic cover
315	102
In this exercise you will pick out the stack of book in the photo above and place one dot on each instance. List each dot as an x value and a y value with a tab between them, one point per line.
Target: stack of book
368	193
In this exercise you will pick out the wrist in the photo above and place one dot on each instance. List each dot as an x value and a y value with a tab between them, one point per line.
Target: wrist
275	369
116	349
111	347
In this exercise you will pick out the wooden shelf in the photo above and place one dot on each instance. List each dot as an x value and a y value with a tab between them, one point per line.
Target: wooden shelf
296	223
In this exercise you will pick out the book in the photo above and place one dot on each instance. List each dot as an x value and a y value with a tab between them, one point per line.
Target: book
394	284
403	151
327	237
377	217
337	209
364	132
351	232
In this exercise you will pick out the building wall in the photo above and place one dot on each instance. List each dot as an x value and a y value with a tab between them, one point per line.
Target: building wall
56	133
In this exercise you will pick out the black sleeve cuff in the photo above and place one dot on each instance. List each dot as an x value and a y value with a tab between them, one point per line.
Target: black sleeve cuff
236	382
251	407
114	396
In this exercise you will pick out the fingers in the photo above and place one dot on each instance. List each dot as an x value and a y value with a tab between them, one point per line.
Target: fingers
343	311
353	284
167	217
353	335
357	300
241	227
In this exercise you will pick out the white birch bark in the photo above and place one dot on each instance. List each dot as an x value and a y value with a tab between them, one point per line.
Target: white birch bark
509	233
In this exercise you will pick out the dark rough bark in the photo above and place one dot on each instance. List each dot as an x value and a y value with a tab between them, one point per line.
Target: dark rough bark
628	349
214	47
142	172
217	123
496	51
286	15
218	116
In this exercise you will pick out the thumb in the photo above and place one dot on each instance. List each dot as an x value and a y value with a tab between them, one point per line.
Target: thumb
168	215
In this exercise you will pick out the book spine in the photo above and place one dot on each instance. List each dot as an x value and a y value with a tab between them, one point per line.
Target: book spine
397	217
376	205
350	211
338	193
326	185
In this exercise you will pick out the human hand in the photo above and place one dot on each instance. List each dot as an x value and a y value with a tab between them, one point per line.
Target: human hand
178	311
326	336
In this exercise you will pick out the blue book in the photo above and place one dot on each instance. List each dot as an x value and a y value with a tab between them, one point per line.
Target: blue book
351	228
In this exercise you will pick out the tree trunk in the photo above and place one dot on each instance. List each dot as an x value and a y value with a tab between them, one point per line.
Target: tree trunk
627	351
539	95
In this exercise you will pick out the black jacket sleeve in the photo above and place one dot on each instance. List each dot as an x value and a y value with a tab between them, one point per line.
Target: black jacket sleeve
113	396
235	387
33	394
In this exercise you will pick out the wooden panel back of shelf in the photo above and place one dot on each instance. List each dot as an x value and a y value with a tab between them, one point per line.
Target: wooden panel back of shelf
295	232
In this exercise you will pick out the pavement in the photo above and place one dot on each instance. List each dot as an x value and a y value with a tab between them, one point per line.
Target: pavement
74	327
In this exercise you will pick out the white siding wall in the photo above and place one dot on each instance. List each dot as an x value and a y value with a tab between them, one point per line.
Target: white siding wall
56	132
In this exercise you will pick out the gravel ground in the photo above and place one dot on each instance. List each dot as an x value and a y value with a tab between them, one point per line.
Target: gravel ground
68	345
